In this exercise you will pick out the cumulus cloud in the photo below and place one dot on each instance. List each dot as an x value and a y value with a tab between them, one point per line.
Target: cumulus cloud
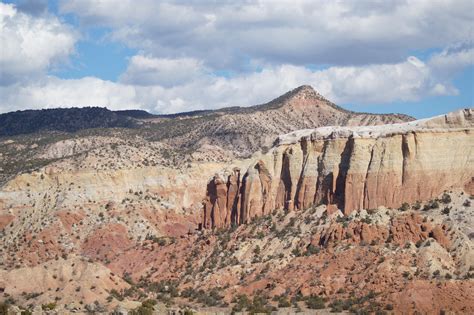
145	70
149	83
452	60
204	55
31	44
51	92
226	35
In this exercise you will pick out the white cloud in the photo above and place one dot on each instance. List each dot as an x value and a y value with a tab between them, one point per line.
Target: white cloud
452	59
30	45
411	79
145	70
226	34
262	47
51	92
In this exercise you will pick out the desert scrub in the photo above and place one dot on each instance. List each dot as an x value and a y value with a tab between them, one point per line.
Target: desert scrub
315	302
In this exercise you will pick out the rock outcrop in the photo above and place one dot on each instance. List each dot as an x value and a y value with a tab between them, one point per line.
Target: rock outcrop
350	167
400	230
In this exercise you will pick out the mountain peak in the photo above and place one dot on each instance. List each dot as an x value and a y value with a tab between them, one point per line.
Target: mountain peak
304	91
304	88
302	94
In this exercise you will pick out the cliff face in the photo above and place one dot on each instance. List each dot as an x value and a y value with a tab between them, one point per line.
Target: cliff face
350	167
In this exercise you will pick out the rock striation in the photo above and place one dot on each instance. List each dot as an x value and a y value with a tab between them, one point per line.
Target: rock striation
351	168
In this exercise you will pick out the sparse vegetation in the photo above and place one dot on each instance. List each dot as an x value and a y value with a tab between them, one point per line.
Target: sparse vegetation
432	204
315	302
48	307
446	198
404	207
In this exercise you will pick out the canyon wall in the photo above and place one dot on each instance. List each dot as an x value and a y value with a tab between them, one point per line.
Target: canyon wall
349	167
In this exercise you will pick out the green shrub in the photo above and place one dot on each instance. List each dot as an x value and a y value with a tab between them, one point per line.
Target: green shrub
48	307
315	302
311	250
432	204
417	206
404	207
141	310
446	211
242	302
337	306
446	198
296	251
4	308
283	302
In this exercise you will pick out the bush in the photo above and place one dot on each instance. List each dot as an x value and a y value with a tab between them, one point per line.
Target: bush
315	302
4	308
417	206
48	307
404	207
366	220
446	198
115	294
432	204
283	302
259	304
311	250
149	303
141	310
242	302
211	299
296	251
446	210
337	306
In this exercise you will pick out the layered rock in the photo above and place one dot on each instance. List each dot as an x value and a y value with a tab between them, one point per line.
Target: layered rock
400	230
350	167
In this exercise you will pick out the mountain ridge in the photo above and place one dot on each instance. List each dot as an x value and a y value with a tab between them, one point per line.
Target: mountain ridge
74	119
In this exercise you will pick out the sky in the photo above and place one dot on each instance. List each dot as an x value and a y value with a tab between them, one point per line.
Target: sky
407	56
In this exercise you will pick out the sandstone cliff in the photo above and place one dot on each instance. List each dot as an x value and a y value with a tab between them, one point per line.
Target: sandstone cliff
349	167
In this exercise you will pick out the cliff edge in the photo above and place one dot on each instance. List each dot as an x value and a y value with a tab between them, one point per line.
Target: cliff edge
351	168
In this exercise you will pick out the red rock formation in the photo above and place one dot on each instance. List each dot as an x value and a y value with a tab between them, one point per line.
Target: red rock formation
353	168
355	232
222	201
403	229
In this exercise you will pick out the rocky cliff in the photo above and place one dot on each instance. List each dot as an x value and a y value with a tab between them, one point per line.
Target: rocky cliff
350	168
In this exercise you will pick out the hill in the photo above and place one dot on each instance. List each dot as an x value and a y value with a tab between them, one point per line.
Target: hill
241	130
61	119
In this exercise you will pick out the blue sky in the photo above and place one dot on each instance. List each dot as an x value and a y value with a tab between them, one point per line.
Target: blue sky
173	56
